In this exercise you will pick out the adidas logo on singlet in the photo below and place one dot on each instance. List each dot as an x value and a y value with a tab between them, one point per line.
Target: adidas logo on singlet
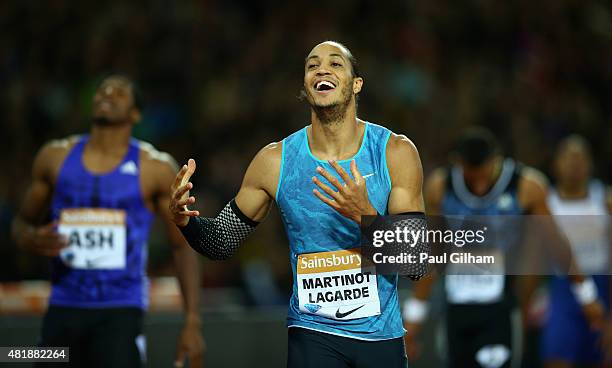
129	168
504	202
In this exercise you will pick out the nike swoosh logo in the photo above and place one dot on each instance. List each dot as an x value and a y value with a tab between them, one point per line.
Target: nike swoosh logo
342	315
93	261
367	176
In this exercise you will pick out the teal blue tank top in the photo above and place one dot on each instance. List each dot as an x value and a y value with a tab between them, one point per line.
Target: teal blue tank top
331	293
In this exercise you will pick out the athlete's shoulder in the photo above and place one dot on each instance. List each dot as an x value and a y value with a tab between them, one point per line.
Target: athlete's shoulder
532	190
400	144
155	165
60	145
401	152
403	162
264	170
438	178
52	154
269	156
152	156
532	179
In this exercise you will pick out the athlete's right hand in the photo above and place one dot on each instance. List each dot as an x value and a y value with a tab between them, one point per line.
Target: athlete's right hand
413	347
179	195
44	240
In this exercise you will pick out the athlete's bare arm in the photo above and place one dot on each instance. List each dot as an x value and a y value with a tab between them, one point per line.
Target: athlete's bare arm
434	193
27	230
421	290
258	188
158	173
406	174
532	194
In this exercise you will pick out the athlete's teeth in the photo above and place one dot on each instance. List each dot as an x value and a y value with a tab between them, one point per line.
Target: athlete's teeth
321	83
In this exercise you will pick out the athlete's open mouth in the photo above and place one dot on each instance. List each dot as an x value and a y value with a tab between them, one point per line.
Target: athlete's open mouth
324	86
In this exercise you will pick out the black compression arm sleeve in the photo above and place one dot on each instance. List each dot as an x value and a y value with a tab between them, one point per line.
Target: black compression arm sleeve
219	238
417	221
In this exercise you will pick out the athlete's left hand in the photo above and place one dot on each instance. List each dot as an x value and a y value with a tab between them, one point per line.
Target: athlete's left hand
351	200
605	341
595	315
190	346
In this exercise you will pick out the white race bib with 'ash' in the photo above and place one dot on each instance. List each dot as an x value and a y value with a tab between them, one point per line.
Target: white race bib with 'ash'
96	238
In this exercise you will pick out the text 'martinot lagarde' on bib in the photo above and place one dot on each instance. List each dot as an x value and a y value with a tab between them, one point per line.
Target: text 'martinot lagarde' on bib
96	238
335	285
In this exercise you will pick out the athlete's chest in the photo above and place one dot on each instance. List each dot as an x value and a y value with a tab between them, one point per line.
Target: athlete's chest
109	191
119	181
297	180
507	203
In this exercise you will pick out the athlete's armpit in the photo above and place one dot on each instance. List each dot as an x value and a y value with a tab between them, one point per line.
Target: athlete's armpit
406	174
261	179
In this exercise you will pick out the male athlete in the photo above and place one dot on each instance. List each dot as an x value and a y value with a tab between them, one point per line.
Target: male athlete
581	206
323	178
479	307
102	191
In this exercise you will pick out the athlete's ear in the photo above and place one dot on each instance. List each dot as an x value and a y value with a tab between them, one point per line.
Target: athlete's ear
135	115
357	84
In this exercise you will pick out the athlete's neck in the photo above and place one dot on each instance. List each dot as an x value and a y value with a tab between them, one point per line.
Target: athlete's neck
336	141
482	190
573	190
110	139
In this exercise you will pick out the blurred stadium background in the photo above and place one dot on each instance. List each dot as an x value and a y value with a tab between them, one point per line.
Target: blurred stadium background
222	78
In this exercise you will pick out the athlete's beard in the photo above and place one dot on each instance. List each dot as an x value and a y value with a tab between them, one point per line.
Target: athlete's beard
102	120
333	113
105	121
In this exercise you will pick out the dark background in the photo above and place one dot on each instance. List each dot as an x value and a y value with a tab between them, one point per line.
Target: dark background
221	79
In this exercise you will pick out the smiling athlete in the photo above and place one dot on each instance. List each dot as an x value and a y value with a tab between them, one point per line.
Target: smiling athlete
323	178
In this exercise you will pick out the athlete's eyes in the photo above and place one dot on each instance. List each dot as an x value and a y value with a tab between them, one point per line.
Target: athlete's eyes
311	66
336	64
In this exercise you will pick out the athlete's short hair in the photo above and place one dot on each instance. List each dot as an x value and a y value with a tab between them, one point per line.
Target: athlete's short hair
137	95
476	146
352	59
575	140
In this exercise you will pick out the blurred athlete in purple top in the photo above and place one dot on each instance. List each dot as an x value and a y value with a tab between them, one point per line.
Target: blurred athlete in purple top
101	192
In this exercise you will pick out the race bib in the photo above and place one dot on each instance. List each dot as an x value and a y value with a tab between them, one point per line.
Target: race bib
96	238
468	283
588	239
334	285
